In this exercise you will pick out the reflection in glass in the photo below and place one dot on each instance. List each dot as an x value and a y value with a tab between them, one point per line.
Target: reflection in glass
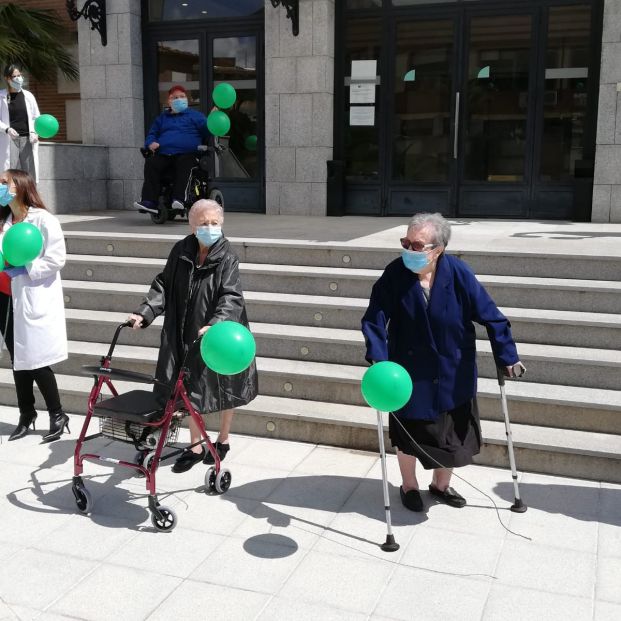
565	96
497	98
178	63
235	62
423	83
362	42
172	10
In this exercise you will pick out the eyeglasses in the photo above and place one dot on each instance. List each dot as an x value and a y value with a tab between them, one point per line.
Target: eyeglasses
416	246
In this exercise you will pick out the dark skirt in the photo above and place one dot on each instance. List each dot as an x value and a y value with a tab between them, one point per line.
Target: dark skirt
451	440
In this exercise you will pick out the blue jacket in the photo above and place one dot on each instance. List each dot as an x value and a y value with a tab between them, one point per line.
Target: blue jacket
178	133
435	343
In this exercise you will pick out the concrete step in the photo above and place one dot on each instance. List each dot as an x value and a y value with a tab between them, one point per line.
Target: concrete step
294	252
255	277
321	311
599	296
541	403
510	291
600	330
593	330
538	449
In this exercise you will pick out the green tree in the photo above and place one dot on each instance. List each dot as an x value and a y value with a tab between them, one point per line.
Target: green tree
34	39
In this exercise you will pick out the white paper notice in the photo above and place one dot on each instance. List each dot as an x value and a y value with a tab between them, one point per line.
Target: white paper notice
360	93
363	69
362	115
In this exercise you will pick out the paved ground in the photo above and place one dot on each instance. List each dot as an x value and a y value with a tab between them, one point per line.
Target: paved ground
296	538
494	235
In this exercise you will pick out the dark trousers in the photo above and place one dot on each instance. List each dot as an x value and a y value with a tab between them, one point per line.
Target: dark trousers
24	380
157	165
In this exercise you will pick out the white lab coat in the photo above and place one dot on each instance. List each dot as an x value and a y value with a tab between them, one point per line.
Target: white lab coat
5	144
40	333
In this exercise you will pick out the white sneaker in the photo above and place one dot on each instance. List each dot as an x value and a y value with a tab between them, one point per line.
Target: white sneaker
178	206
140	206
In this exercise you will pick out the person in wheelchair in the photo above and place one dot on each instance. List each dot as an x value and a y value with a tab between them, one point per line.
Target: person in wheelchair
200	286
172	143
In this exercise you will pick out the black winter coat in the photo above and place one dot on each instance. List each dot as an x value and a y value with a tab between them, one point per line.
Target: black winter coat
191	297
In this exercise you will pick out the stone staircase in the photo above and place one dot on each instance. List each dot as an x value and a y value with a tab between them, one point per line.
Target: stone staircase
305	302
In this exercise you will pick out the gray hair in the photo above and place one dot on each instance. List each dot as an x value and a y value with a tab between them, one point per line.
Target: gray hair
206	204
441	227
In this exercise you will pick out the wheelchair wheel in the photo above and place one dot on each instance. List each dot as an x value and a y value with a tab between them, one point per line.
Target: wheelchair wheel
216	195
161	217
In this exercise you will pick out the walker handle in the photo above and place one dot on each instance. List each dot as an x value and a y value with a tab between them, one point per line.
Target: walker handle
125	324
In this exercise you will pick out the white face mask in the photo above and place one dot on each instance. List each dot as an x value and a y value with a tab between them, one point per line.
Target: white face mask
17	82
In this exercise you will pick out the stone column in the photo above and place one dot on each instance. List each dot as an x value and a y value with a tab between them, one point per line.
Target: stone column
112	98
607	182
299	103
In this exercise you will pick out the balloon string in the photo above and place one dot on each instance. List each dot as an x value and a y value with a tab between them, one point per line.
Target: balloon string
419	448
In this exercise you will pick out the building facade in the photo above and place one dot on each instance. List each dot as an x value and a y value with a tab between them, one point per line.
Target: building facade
474	108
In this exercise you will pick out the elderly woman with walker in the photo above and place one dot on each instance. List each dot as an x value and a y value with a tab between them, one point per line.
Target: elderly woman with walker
199	287
421	315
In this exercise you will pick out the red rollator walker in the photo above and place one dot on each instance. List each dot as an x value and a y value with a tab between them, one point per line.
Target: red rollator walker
137	417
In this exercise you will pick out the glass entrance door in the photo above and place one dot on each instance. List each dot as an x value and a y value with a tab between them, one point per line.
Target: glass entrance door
218	42
472	110
496	116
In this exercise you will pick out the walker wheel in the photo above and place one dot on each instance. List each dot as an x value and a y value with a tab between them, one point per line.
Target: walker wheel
210	479
147	462
168	520
223	481
83	499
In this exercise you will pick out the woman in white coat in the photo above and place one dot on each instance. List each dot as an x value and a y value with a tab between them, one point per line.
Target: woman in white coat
32	313
19	143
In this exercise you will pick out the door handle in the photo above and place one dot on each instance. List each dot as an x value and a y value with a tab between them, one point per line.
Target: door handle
456	132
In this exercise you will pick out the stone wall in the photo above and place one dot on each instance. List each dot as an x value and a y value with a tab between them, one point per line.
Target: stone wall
299	101
607	182
73	177
112	98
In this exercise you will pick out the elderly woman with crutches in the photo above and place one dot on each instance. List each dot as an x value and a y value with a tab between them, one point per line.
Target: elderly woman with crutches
421	315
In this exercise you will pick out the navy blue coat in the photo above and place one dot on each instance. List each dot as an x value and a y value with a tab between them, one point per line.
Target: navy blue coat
435	343
178	133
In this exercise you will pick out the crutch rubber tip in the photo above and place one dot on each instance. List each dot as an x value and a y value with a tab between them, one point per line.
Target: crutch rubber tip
390	545
518	507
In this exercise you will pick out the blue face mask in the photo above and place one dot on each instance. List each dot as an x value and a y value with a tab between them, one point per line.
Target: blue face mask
5	195
208	235
179	105
415	261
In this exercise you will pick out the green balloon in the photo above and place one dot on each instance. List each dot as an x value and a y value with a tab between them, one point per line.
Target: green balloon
228	348
386	386
1	262
251	143
224	95
22	243
46	126
218	123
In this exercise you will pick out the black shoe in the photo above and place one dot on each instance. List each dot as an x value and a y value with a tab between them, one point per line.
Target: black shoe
58	423
187	460
411	500
221	449
25	420
448	496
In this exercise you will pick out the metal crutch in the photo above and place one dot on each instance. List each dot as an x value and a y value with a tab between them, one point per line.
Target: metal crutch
390	545
518	506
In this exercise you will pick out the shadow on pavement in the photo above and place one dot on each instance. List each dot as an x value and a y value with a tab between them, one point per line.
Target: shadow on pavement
589	504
